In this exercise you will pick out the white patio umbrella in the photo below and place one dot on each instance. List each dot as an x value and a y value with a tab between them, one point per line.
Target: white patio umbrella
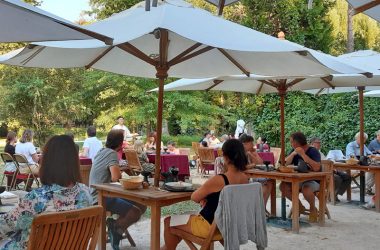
178	40
373	93
368	7
22	22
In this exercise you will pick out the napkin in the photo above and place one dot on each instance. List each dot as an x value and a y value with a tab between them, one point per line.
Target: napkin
7	195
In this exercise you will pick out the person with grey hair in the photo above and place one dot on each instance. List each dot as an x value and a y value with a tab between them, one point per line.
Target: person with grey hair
353	148
374	145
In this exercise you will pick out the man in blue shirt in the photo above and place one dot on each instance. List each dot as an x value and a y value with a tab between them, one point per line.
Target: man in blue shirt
353	148
312	158
374	145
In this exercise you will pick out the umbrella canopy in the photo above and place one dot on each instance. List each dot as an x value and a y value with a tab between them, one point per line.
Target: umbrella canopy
373	93
176	39
22	22
368	7
192	37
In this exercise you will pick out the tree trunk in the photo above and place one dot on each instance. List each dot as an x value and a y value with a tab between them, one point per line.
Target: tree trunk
350	29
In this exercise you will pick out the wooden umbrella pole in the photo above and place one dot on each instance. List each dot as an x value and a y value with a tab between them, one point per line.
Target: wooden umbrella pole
282	94
361	112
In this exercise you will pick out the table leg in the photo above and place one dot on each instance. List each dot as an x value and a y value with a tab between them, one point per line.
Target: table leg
295	207
102	237
322	202
155	227
377	191
273	199
362	186
349	187
332	190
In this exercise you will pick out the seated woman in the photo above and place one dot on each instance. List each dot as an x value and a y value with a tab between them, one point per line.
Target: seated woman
262	145
143	158
208	195
172	149
61	190
9	148
151	142
26	148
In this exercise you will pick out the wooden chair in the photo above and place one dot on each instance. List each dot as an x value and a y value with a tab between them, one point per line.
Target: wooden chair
206	158
184	151
190	239
277	154
85	173
220	152
75	229
195	146
134	164
8	158
327	166
22	161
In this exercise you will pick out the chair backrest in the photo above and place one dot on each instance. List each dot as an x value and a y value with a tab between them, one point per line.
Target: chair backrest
184	151
75	229
220	152
249	218
206	155
277	154
133	159
20	159
85	173
327	166
6	157
195	146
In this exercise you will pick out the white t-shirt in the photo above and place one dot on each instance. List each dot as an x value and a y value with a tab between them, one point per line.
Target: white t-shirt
27	149
127	133
93	145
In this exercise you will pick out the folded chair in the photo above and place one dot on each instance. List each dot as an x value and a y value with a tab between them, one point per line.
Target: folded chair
23	162
10	175
75	229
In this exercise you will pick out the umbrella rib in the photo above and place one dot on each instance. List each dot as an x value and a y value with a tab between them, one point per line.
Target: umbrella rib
294	82
35	53
184	53
189	56
129	48
270	83
260	88
327	82
366	6
98	57
319	91
229	57
216	82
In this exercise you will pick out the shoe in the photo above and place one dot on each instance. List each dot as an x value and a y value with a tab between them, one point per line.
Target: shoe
336	199
114	236
368	205
313	216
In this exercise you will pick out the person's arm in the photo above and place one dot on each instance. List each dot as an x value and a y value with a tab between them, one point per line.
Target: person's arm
350	150
35	157
367	151
289	158
256	157
115	173
85	152
314	161
212	185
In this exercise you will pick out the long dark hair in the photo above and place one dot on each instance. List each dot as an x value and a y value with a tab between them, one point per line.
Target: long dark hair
233	149
10	137
60	162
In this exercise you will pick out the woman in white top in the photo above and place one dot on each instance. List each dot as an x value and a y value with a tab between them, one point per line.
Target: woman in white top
91	145
26	148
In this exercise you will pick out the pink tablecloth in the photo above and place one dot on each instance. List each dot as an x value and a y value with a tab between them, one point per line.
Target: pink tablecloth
267	156
179	161
85	161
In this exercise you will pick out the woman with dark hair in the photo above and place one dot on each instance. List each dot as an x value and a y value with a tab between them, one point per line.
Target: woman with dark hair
208	195
9	148
61	190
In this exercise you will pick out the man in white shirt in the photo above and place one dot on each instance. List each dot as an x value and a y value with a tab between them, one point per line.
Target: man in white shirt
120	125
91	145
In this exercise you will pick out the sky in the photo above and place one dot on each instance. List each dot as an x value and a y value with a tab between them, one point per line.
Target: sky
68	9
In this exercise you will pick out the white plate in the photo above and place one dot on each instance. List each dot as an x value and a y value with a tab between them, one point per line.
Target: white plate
179	185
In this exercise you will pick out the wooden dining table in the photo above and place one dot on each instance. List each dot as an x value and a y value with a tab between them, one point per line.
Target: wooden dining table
153	197
295	179
372	169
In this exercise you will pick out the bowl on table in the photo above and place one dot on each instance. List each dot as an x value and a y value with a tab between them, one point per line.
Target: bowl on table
352	161
132	182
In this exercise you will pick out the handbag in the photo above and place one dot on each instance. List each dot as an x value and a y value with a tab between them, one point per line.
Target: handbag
302	167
